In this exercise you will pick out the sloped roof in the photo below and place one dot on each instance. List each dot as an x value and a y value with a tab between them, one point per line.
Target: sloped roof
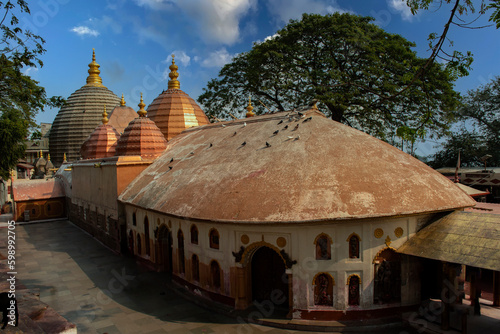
38	189
314	169
468	238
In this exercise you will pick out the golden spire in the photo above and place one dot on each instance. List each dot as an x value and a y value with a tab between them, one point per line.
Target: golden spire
122	102
142	112
105	116
173	83
94	79
250	113
41	154
48	157
64	158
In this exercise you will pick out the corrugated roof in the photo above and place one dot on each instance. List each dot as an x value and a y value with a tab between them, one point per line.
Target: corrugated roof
312	169
468	238
38	189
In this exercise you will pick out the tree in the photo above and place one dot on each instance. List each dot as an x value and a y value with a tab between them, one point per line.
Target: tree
480	130
457	61
356	70
21	97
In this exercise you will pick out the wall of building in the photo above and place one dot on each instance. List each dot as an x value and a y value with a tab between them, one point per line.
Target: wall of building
40	209
298	242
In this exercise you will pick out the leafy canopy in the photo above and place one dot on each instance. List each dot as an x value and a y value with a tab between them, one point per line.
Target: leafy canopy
361	75
479	133
21	97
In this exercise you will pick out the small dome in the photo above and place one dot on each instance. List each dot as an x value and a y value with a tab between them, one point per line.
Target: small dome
102	142
173	110
121	116
141	137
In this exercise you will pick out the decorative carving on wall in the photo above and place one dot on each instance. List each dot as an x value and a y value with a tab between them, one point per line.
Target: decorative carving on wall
378	233
398	232
288	261
239	255
281	242
245	239
388	241
351	276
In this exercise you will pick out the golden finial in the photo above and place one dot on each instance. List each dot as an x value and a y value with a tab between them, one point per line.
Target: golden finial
41	154
105	116
173	82
142	112
48	157
250	113
94	79
64	157
122	102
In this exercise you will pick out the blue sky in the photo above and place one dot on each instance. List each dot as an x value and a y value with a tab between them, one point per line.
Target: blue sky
134	39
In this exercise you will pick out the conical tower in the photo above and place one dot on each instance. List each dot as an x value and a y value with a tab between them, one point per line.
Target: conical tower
102	141
173	111
76	120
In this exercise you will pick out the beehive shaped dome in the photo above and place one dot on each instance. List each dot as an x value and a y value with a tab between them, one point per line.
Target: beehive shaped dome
102	141
173	110
282	168
121	116
76	120
141	137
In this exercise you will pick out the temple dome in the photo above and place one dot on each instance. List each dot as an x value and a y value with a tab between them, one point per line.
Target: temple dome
102	141
141	137
81	114
281	168
121	116
173	110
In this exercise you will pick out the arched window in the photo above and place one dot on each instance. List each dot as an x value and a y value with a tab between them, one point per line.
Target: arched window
134	219
214	238
139	249
146	235
194	234
180	247
354	284
215	274
323	289
195	267
354	246
131	242
323	247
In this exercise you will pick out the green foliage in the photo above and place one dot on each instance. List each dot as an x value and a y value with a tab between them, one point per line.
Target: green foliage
362	76
480	131
36	135
21	97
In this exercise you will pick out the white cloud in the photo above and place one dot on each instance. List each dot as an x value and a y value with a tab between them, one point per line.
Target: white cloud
30	71
285	10
155	4
217	58
401	7
83	31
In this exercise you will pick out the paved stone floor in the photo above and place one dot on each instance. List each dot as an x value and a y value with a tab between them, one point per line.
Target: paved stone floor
102	292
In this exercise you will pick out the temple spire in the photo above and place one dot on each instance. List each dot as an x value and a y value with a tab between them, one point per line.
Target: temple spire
105	116
94	79
122	102
173	83
250	113
142	112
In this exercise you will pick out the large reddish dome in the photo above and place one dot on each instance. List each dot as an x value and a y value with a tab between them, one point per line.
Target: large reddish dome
173	110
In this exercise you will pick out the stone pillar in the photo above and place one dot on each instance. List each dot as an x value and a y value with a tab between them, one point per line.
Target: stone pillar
496	288
241	288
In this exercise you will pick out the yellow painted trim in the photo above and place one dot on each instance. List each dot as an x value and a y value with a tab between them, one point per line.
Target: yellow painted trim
349	278
256	245
353	234
383	249
323	234
315	276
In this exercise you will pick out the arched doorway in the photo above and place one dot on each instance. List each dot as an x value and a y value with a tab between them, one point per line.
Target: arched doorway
387	277
268	277
164	249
